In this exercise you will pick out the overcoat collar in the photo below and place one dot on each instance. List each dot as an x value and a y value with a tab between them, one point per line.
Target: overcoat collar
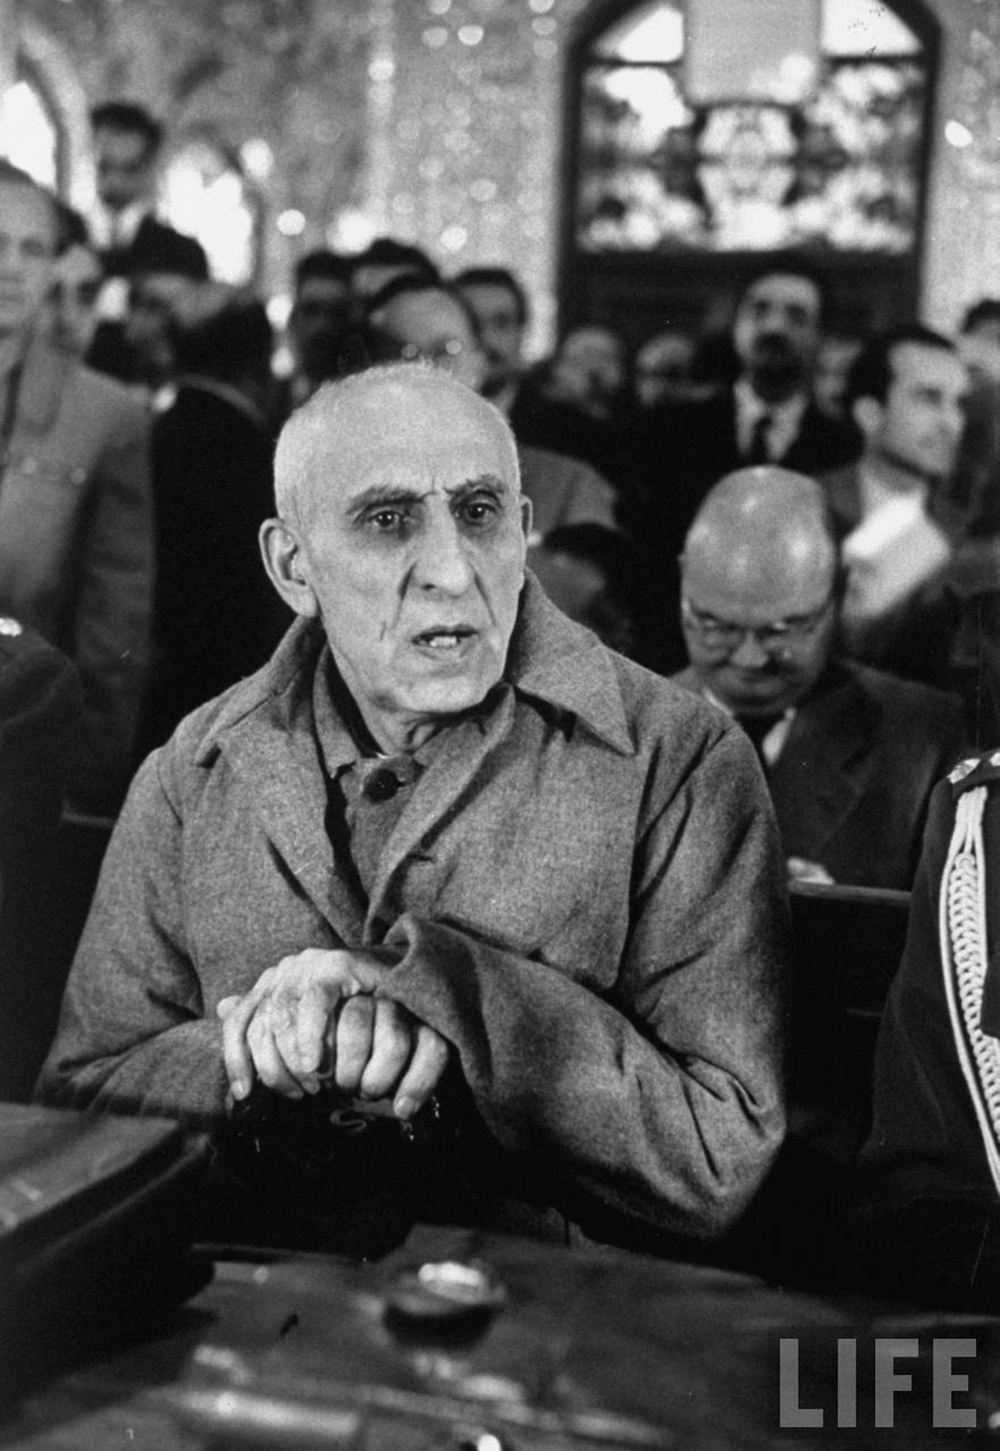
265	730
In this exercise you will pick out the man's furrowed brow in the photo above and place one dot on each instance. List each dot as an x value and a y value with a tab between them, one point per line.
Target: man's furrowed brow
481	481
382	496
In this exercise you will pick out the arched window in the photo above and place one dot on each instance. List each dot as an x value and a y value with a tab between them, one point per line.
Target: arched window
726	129
205	193
29	129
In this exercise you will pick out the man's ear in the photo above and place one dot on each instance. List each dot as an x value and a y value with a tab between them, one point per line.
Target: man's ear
526	516
285	567
867	414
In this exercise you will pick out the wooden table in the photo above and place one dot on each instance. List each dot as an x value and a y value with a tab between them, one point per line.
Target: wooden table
593	1349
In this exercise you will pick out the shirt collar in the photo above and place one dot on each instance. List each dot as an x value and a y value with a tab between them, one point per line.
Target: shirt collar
550	659
785	416
117	229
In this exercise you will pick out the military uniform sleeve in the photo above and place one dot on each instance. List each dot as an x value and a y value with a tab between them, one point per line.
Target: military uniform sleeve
132	1035
661	1103
112	618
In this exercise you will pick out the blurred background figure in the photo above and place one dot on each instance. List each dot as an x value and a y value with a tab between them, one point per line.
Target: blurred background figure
589	370
833	364
979	339
893	508
413	317
500	305
215	616
417	319
134	246
381	262
539	419
76	545
589	571
131	239
318	323
662	367
76	284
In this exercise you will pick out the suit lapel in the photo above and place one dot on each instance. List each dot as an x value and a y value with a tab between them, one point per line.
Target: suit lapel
823	771
42	388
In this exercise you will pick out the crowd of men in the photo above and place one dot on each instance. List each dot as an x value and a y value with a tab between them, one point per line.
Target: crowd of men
462	722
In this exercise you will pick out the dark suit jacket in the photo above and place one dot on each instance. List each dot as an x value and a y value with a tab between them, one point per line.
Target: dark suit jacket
690	444
216	616
154	248
157	248
852	784
40	720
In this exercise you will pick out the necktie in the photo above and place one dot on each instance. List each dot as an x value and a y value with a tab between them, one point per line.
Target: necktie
759	451
757	727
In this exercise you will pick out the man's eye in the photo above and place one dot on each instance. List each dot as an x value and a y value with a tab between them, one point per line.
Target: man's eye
478	511
386	521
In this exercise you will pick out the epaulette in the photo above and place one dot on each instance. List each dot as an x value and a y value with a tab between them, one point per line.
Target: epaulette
975	771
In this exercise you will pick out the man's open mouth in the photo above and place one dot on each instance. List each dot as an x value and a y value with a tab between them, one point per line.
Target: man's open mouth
441	637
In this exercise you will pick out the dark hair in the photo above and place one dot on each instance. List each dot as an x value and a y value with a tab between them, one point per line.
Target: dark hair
871	373
228	342
789	264
131	117
387	252
496	277
330	266
987	309
72	229
413	283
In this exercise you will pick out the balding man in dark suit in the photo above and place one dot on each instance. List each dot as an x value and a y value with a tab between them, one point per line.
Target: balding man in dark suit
851	754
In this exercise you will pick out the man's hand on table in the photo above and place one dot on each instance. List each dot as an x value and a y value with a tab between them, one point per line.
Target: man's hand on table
314	1019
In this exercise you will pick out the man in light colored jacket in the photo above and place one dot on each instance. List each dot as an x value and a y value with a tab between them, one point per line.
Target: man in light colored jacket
76	530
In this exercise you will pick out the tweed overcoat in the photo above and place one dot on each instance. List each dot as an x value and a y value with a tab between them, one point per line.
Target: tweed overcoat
587	902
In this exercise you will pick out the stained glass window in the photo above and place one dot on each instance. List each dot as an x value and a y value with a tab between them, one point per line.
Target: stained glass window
837	167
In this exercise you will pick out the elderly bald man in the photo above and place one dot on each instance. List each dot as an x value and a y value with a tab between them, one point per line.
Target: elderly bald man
851	754
446	828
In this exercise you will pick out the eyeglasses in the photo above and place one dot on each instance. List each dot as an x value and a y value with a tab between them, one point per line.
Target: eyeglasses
782	637
447	351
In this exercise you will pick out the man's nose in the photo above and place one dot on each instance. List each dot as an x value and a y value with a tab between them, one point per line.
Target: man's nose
750	653
442	561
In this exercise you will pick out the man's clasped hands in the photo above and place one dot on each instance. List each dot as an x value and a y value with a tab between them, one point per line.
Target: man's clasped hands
320	1018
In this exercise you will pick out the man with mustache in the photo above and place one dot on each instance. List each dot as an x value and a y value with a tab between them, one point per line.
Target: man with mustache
446	828
767	416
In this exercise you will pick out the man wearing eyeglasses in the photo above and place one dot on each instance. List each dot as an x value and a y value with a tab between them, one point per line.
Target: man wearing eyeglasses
851	754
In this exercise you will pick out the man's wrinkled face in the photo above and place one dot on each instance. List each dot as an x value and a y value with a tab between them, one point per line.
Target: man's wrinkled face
757	641
124	167
501	332
919	426
413	542
27	245
777	327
